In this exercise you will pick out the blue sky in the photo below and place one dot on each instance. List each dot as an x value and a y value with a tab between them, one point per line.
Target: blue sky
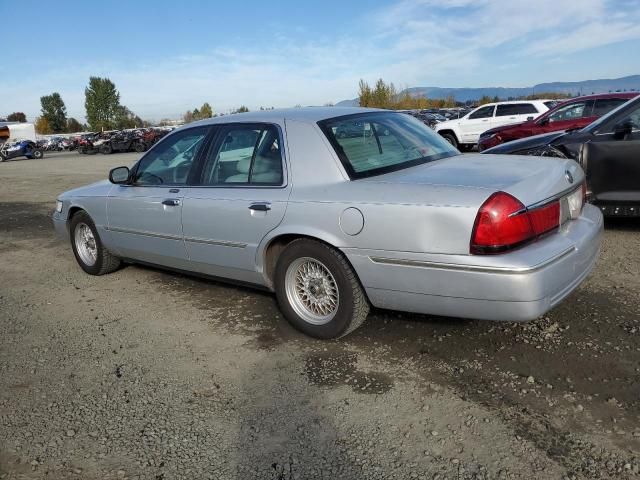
167	57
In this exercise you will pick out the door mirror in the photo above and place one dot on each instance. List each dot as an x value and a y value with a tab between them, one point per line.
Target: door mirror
119	175
543	122
622	129
529	118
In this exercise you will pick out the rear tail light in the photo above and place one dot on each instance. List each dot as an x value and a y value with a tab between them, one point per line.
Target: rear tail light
504	223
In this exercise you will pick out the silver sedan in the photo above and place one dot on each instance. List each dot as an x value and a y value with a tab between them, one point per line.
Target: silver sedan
338	209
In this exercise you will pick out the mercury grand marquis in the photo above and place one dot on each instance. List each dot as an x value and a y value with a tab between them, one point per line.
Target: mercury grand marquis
394	218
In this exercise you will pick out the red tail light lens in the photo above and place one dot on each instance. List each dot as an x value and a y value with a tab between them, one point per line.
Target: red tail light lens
545	218
503	223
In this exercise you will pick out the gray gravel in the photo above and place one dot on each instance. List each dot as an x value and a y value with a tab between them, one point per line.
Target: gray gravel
153	375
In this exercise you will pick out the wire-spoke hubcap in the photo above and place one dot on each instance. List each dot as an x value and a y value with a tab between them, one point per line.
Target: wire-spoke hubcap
86	244
311	290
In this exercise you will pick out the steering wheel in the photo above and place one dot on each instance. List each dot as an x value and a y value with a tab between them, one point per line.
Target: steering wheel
181	171
147	177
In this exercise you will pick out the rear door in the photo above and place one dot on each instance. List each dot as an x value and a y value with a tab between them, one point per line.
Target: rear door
510	113
475	123
241	195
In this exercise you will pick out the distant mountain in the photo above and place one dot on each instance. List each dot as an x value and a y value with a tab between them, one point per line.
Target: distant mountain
585	87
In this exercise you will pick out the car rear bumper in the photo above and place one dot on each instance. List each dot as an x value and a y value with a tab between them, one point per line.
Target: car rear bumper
517	286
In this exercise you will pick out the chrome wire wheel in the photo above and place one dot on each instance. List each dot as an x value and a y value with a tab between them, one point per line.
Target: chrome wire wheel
86	244
312	291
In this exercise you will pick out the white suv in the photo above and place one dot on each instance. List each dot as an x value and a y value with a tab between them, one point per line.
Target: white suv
466	131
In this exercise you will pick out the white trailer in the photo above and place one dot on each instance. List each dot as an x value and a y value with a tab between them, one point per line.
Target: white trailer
18	131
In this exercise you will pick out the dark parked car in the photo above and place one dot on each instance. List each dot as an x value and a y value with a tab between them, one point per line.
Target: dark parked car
609	152
123	142
572	114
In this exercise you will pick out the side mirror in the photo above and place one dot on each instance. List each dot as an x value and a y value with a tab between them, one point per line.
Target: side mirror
119	175
529	119
622	129
544	121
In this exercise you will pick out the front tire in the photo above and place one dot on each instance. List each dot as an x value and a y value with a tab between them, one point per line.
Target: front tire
318	291
37	154
451	138
87	247
106	149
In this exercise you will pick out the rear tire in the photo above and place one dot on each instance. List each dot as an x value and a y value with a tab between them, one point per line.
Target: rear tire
106	149
140	147
451	138
318	291
91	254
37	154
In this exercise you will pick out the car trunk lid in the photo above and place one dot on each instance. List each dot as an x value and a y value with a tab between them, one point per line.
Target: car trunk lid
532	180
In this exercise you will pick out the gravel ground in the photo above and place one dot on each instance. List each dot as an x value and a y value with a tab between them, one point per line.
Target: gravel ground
153	375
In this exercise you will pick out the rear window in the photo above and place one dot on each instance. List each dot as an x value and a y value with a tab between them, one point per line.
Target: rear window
605	105
515	109
376	143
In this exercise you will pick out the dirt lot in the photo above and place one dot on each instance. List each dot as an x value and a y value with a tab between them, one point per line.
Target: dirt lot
149	374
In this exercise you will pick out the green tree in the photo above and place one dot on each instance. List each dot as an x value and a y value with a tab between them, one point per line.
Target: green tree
54	110
17	117
74	125
364	94
484	99
125	118
206	111
241	109
102	102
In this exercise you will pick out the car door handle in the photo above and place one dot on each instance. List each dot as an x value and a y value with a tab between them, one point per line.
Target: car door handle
171	202
260	207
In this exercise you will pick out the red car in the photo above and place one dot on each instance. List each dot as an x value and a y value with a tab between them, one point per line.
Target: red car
572	114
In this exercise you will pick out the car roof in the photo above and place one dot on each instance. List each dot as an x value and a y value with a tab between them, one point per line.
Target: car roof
597	96
301	114
508	102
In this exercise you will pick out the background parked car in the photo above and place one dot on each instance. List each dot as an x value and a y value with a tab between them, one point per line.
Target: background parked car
575	113
465	132
609	152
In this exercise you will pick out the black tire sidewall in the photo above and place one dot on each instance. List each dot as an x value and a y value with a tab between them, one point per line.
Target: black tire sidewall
342	320
83	217
451	139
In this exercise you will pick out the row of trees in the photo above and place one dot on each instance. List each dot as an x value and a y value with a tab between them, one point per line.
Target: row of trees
385	95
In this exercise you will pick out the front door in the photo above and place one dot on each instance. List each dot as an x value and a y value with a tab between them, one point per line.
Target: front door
475	123
613	163
241	196
145	216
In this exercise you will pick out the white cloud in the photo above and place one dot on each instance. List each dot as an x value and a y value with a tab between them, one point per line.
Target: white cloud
412	42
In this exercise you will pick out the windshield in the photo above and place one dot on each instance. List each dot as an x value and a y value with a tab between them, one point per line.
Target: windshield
381	142
595	126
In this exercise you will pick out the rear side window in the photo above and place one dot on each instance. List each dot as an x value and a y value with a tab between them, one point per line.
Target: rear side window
605	105
484	112
246	154
376	143
515	109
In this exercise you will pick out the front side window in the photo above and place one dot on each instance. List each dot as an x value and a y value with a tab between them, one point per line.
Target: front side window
569	112
484	112
383	142
247	154
169	162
